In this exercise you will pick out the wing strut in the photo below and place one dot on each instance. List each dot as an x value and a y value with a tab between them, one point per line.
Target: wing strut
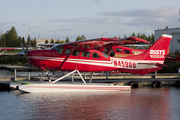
72	50
109	50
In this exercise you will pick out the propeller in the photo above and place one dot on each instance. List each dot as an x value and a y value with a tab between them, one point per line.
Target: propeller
23	53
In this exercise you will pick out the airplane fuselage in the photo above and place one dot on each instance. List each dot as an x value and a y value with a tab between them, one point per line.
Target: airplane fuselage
84	61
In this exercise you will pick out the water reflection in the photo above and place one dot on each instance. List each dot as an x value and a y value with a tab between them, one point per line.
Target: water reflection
76	105
143	104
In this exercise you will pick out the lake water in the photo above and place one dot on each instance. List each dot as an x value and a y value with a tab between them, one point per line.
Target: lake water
137	104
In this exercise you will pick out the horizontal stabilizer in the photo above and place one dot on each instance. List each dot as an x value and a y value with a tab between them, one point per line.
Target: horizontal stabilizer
157	64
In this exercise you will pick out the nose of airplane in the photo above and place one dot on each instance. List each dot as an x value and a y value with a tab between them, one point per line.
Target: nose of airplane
28	53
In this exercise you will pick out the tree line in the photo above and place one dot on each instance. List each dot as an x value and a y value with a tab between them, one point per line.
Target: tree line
11	39
149	38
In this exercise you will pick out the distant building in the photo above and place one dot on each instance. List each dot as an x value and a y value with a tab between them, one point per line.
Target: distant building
175	32
42	41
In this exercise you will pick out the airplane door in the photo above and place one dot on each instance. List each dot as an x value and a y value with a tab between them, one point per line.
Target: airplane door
76	54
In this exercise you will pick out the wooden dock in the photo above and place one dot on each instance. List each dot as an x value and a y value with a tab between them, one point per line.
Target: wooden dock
135	81
17	67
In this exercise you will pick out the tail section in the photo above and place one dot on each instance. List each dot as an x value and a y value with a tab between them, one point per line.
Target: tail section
157	52
152	59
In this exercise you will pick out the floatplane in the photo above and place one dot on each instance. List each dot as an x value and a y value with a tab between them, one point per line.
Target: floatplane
84	56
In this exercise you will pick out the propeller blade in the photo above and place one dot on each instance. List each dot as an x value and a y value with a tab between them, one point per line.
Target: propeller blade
26	49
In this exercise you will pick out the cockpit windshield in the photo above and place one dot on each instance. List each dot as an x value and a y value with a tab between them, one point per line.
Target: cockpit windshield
57	48
105	55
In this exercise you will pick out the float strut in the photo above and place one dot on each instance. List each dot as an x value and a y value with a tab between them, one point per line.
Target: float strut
48	77
68	75
42	76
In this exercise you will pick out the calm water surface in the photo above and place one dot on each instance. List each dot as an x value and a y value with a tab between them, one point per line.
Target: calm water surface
140	104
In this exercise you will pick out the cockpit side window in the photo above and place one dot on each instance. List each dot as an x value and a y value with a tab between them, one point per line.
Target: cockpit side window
58	48
67	51
75	53
95	55
127	51
85	54
118	50
105	55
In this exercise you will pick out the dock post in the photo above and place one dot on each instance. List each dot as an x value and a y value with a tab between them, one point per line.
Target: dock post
84	75
155	74
72	78
29	76
107	75
15	75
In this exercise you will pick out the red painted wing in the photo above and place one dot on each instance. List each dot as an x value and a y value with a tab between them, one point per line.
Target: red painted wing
105	42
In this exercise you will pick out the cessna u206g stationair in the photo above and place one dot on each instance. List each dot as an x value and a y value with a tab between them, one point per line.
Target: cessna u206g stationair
82	56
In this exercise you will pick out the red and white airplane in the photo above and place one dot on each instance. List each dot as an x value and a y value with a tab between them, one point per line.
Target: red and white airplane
83	57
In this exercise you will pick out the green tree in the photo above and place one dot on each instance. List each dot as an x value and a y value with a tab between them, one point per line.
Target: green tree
149	38
152	37
58	41
133	34
3	40
28	40
11	38
78	38
46	41
34	42
125	36
62	41
19	41
83	37
52	41
23	41
138	35
67	40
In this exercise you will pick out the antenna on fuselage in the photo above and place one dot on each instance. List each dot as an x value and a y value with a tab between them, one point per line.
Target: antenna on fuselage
103	34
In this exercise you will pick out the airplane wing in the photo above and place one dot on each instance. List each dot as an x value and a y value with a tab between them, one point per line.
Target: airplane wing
104	42
132	40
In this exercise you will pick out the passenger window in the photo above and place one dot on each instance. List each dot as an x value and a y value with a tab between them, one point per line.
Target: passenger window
85	54
127	51
118	50
95	55
67	51
75	53
61	50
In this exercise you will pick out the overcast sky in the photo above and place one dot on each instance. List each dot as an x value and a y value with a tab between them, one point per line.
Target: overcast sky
70	18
